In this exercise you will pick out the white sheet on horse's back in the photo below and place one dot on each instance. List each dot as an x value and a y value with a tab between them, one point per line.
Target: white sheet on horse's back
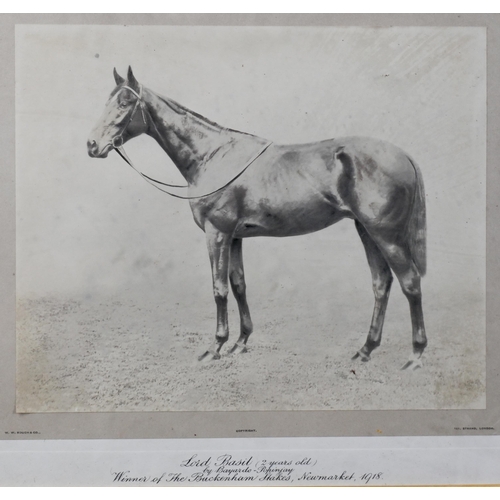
228	162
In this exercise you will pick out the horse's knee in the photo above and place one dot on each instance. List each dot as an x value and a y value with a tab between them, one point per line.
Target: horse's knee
238	284
239	288
382	286
220	293
411	287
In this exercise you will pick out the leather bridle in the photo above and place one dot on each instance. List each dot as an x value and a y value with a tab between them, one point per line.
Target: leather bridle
118	147
138	103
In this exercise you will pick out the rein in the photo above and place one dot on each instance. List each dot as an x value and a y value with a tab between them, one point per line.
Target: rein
153	182
150	180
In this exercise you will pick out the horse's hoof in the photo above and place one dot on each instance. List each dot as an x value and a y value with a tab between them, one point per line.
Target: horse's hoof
209	356
360	354
414	363
238	349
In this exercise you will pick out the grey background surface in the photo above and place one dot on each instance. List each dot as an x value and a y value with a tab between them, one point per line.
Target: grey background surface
454	114
87	225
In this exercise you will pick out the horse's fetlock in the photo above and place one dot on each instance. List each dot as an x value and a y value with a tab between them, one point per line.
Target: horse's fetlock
371	344
419	344
221	338
246	328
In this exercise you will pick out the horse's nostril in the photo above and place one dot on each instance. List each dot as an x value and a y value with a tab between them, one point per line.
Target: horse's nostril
91	147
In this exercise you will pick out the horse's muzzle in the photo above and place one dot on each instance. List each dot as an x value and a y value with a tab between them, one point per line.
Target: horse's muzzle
93	150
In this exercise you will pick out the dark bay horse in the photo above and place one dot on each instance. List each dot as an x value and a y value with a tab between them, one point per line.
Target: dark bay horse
240	186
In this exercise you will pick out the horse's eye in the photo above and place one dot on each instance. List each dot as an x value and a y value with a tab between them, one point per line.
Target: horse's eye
123	104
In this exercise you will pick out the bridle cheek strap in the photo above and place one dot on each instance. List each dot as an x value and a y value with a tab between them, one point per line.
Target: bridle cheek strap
138	102
117	141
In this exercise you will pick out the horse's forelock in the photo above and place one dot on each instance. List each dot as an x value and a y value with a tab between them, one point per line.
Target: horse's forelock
117	90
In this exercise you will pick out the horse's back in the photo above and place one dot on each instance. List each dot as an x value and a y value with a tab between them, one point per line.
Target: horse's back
373	158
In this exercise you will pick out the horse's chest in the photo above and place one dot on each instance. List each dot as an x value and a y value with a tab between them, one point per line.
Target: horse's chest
222	215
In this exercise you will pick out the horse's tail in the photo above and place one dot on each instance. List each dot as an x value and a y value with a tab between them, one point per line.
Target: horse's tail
417	228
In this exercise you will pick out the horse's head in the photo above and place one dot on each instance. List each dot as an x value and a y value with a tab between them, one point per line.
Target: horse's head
124	117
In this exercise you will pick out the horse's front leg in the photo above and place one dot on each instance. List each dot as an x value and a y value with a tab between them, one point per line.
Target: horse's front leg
218	249
237	280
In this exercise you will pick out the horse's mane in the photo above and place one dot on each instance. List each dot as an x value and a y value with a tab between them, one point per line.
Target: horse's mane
182	110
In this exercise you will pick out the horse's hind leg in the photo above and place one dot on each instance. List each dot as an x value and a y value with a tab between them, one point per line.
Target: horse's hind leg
382	280
218	249
237	280
399	258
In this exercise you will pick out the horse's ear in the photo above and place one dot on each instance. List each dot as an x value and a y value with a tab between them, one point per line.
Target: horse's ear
132	82
118	79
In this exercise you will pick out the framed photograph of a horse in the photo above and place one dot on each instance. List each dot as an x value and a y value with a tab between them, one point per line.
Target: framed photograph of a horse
242	228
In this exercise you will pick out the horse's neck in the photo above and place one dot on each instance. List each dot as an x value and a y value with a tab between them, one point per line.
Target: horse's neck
187	138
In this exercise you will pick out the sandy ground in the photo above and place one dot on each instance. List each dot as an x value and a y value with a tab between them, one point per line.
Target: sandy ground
133	352
113	281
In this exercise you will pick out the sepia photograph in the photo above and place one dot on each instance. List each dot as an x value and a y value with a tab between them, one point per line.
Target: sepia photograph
250	218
